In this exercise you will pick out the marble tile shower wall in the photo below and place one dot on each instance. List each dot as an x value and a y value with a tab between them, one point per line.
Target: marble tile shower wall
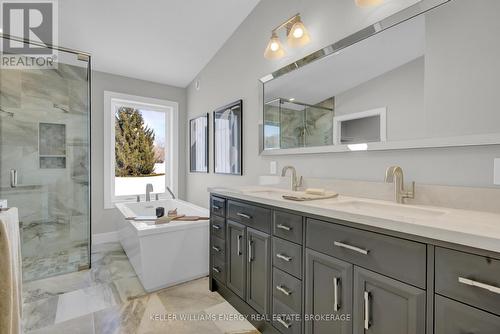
46	195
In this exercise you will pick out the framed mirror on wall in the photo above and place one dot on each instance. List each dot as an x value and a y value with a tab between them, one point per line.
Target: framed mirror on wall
198	144
412	80
228	155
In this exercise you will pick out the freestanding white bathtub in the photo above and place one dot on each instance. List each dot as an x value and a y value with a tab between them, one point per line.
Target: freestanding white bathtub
166	254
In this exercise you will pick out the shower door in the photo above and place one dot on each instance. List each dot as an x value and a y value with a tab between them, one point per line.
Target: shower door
45	162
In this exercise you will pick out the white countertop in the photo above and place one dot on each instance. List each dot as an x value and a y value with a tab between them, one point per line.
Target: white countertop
470	228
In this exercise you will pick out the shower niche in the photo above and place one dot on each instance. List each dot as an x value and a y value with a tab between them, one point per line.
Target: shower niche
52	145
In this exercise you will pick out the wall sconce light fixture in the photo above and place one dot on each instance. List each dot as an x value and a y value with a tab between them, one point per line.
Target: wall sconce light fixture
297	35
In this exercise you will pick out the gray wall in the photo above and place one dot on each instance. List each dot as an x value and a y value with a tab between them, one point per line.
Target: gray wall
401	91
234	72
104	220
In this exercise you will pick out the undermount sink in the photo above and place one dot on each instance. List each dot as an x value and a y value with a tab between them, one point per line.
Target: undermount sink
266	192
390	209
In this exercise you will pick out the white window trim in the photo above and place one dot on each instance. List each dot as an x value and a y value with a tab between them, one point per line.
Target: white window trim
171	141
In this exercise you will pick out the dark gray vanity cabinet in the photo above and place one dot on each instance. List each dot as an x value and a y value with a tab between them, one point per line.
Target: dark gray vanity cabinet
248	254
236	258
456	318
291	271
383	305
328	292
258	270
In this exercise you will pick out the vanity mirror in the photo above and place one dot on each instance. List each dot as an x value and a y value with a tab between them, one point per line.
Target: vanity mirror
427	76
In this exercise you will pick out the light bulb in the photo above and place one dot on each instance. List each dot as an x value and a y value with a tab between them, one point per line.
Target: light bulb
298	35
274	50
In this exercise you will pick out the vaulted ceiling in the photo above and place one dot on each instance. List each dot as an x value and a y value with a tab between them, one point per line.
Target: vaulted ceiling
165	41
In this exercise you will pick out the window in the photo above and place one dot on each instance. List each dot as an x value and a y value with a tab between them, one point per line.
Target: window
141	147
361	127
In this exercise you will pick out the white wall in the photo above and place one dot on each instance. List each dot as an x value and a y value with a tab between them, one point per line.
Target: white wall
104	220
234	72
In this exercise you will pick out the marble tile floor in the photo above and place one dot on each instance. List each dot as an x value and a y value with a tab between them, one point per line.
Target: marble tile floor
51	248
109	298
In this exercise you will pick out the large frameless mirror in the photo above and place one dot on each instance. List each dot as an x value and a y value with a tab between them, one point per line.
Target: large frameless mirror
424	77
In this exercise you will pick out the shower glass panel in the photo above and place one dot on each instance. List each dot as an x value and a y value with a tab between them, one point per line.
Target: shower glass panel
45	143
293	124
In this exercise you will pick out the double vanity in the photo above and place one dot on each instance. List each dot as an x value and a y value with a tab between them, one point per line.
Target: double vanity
352	265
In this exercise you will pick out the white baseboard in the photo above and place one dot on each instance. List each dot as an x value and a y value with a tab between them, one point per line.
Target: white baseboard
101	238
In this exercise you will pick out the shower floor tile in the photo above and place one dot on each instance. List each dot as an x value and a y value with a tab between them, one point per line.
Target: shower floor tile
48	250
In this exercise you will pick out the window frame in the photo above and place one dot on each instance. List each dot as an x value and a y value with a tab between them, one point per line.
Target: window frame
171	109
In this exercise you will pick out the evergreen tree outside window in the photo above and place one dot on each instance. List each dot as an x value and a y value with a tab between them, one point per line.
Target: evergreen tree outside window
139	150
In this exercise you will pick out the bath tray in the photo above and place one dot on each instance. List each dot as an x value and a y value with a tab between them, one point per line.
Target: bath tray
302	197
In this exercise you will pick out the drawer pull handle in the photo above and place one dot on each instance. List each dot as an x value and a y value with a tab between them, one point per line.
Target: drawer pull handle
244	215
283	322
353	248
215	248
336	305
239	245
216	227
284	290
284	227
367	310
217	270
480	285
284	257
250	258
216	207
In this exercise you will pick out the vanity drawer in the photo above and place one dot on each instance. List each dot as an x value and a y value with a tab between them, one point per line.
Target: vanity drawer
288	226
472	279
218	248
286	320
218	227
455	318
251	215
218	206
287	289
398	258
287	256
218	269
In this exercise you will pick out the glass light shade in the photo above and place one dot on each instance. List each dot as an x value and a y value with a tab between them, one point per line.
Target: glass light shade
274	49
368	3
298	35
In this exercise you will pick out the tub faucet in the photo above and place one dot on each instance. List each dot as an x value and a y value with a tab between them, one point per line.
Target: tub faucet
394	174
149	190
295	182
171	192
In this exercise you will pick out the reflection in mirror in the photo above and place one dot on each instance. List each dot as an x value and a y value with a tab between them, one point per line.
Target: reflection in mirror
289	123
227	139
198	144
430	79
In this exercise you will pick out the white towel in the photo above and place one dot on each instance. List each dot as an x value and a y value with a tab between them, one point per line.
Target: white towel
10	273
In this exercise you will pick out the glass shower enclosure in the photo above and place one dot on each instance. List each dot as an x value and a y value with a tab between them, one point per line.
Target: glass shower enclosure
45	162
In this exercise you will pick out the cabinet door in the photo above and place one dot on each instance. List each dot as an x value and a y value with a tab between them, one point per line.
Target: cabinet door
236	258
328	292
386	306
456	318
258	270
